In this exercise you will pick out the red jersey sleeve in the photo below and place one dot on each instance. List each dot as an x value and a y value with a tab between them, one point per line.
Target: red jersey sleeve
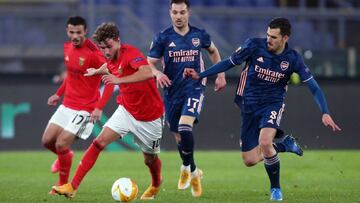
106	95
60	91
136	59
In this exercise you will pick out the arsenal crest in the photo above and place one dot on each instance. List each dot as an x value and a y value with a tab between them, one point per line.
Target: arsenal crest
81	61
195	42
284	65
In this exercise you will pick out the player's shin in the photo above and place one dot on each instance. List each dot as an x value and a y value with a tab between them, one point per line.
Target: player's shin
272	166
187	145
154	165
86	163
65	161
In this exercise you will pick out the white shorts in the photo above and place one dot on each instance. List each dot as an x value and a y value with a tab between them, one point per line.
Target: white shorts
73	121
147	134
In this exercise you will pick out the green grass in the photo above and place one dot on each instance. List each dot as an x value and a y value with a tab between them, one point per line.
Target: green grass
319	176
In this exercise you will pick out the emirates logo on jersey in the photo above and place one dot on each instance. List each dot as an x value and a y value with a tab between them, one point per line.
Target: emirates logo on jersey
81	61
284	65
195	42
66	58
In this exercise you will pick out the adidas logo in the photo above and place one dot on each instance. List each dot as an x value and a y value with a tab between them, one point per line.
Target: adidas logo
172	44
260	59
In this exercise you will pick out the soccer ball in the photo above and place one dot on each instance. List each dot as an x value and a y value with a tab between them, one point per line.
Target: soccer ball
124	190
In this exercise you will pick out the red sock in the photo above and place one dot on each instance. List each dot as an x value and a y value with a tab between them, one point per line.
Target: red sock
65	160
155	170
86	163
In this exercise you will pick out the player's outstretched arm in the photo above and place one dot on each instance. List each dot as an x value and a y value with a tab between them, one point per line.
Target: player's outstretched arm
162	80
144	73
222	66
321	101
103	70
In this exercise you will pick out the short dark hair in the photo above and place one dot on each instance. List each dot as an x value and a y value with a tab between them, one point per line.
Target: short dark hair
180	2
76	20
107	30
283	24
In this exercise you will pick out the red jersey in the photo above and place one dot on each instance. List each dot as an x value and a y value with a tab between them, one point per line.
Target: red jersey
81	92
141	99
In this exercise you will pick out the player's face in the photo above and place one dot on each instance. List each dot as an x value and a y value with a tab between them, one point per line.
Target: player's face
275	41
179	14
110	48
76	34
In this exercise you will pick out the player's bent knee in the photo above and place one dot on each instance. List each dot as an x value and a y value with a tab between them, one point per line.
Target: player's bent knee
250	158
149	159
250	162
265	143
46	142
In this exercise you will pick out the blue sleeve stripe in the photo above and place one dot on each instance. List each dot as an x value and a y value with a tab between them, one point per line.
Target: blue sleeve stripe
308	79
232	61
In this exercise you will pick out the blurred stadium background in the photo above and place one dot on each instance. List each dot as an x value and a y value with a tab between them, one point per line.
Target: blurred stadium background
326	32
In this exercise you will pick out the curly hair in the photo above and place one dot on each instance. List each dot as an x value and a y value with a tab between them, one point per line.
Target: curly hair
105	31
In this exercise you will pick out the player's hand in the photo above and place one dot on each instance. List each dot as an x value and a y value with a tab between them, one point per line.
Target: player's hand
95	115
190	72
220	82
53	100
90	72
110	79
162	80
328	122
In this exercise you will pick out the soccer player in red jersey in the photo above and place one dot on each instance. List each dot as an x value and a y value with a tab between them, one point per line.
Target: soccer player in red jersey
82	105
140	109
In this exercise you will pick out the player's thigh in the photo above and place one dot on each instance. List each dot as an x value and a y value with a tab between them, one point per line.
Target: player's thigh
56	124
65	139
249	133
266	136
119	121
107	136
51	133
148	135
187	120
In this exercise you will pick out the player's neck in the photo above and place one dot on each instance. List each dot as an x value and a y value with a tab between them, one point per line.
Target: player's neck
182	31
280	50
117	54
81	44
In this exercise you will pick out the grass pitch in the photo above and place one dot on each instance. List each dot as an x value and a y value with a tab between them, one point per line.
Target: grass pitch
318	176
